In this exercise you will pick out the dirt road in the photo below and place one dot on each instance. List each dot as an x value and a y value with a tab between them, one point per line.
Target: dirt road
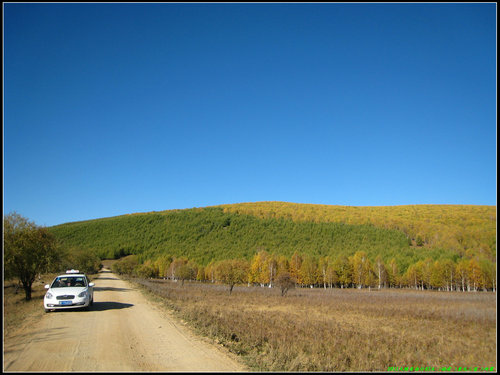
123	331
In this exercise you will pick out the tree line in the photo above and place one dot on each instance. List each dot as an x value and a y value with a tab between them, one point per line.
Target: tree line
304	270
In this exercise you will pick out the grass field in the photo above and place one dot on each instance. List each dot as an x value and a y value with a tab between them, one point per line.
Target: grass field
339	329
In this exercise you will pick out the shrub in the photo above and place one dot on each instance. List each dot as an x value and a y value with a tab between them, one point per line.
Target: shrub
285	281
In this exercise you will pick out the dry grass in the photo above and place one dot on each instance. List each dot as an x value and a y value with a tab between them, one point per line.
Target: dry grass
340	330
17	312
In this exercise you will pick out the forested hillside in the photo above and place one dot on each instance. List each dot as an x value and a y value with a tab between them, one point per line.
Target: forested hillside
465	229
423	246
207	234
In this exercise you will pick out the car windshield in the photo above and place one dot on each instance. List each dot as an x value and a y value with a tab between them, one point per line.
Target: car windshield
69	282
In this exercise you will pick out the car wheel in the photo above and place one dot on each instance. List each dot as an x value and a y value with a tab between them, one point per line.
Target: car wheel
47	310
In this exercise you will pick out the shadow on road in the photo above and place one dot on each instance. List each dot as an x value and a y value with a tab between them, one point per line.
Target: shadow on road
103	306
107	278
97	306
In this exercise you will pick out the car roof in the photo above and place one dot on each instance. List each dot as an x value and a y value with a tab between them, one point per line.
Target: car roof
72	275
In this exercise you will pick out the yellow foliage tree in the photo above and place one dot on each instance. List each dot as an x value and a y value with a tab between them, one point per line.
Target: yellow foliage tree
462	272
474	274
309	271
232	272
295	264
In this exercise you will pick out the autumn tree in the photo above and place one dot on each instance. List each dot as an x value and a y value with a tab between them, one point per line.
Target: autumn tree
28	250
331	275
448	273
437	275
272	268
193	268
185	271
462	272
126	265
210	271
489	273
380	271
426	272
175	266
261	270
343	269
295	264
162	263
370	278
200	275
413	275
419	274
84	260
309	271
323	270
232	272
393	273
474	274
146	270
361	267
283	264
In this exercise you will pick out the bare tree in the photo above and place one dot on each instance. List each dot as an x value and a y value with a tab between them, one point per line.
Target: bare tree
285	281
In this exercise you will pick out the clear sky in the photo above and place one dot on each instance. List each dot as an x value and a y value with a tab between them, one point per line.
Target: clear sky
120	108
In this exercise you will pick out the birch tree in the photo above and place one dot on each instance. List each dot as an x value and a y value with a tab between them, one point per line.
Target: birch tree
309	271
381	271
343	268
393	273
360	267
295	264
462	272
323	268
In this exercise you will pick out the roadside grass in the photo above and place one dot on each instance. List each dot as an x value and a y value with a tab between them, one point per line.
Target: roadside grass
338	329
17	312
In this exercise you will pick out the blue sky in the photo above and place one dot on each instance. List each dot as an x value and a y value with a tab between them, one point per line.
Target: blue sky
119	108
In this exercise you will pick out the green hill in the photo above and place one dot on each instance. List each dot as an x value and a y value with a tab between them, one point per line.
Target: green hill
464	229
242	230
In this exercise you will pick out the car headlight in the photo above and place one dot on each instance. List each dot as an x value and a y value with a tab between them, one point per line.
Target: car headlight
82	294
49	295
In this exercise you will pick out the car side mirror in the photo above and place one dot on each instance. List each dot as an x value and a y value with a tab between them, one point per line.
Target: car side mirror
47	286
91	284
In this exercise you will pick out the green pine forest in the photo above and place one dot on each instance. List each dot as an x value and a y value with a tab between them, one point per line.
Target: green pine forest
414	241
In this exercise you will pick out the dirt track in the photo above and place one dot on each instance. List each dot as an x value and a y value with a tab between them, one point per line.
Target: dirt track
121	332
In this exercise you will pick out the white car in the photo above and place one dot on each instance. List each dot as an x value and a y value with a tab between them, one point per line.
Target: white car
71	290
